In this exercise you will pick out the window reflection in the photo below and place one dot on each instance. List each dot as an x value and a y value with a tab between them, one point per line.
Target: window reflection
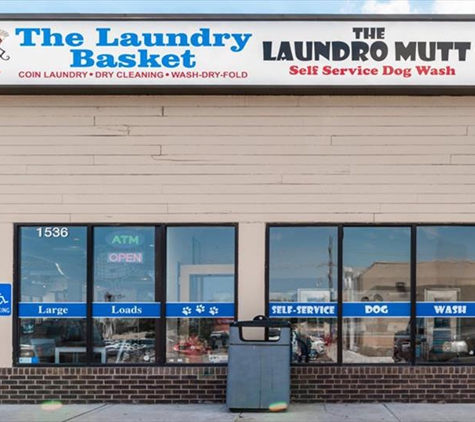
125	340
52	341
200	271
445	279
376	275
124	272
314	340
303	276
52	271
204	340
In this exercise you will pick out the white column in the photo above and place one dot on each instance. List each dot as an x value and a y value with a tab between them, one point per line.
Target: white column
251	276
6	277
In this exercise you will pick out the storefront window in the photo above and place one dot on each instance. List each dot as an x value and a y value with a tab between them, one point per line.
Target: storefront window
125	311
52	307
303	289
200	293
446	294
376	294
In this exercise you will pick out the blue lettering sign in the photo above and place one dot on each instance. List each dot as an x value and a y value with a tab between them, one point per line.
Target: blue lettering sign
200	310
126	310
376	309
51	310
5	299
303	309
47	38
445	309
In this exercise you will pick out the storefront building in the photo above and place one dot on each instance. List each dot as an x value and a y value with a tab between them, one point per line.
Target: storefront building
162	178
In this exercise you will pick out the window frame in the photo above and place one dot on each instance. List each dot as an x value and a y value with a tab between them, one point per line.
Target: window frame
340	255
160	237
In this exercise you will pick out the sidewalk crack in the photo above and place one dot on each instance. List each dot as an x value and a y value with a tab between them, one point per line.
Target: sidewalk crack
390	411
85	413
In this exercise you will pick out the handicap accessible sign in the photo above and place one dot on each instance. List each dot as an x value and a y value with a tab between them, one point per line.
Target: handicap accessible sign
5	299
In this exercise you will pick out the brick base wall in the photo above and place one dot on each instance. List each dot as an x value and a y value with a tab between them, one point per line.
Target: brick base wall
208	384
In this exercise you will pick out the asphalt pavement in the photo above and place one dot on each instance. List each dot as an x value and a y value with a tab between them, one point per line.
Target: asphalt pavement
377	412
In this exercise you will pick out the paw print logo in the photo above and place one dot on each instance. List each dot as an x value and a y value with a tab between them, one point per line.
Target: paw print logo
186	310
200	309
213	310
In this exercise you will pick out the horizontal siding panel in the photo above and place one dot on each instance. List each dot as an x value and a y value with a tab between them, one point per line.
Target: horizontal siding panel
237	159
434	208
142	180
299	131
221	218
219	208
187	169
448	198
317	150
349	193
47	110
79	150
235	101
380	179
35	218
65	101
47	160
302	159
79	140
447	218
284	121
64	131
82	209
188	111
197	140
15	169
403	140
39	121
463	159
386	101
415	169
30	199
51	110
316	188
239	199
29	189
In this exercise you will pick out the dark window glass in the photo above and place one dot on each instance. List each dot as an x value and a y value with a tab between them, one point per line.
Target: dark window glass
200	293
445	294
52	311
124	293
376	294
303	283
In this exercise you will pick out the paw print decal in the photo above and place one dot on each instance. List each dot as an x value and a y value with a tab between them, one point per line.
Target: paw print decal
186	310
213	310
200	309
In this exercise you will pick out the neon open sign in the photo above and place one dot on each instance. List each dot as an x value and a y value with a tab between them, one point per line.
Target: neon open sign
128	257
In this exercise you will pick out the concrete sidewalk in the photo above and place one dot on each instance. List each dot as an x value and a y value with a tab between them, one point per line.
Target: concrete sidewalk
390	412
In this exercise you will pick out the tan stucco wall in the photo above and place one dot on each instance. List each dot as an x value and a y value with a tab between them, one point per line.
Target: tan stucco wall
248	160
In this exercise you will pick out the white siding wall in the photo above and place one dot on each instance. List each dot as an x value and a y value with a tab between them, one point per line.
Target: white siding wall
234	159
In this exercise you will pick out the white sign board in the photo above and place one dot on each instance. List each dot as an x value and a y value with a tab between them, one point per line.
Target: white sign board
237	53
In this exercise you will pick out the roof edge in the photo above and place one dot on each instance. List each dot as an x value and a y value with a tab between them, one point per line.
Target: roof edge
236	17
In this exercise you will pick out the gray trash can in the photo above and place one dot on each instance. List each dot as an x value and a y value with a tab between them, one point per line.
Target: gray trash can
259	370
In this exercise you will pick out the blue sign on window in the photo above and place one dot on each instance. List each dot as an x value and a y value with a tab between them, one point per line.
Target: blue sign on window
376	309
445	309
126	310
200	310
5	299
51	310
303	309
